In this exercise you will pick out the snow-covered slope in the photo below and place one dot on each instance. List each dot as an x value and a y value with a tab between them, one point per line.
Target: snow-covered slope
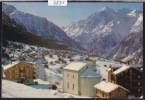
16	90
40	26
131	47
103	30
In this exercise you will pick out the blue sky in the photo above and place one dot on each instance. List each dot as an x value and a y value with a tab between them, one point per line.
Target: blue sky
73	12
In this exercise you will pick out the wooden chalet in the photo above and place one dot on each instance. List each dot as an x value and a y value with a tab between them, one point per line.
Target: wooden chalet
110	90
19	72
129	77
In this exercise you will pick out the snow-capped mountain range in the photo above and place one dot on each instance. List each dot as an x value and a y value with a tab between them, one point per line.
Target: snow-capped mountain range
106	32
105	29
40	26
131	47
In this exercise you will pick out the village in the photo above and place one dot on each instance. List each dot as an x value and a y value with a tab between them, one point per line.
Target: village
76	73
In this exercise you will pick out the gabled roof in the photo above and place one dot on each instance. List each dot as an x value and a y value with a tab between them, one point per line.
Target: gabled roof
10	65
122	69
14	63
75	66
108	87
90	73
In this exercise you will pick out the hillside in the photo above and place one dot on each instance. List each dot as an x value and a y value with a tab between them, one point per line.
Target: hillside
41	27
20	34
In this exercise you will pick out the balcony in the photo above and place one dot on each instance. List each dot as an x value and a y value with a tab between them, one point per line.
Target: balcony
132	73
136	80
136	87
22	71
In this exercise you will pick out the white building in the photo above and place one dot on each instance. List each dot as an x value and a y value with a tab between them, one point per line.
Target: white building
79	79
39	72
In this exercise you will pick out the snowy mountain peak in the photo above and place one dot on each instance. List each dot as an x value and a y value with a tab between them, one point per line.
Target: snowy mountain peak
135	13
106	8
103	30
123	11
8	8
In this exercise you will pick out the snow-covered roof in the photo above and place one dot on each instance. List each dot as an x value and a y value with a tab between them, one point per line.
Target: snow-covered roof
14	58
93	58
108	69
31	63
10	65
141	97
14	63
116	65
123	68
90	73
108	87
136	65
40	61
75	66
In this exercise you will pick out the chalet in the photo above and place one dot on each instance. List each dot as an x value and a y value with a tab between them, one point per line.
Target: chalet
110	90
51	62
79	79
57	61
19	72
132	79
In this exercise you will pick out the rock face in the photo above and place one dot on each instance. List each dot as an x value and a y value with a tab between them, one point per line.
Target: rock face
40	27
103	30
131	47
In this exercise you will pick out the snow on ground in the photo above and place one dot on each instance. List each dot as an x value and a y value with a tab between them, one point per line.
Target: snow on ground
52	75
16	90
54	66
103	69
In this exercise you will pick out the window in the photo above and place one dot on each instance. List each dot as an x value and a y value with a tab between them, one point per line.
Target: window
73	86
138	83
68	85
138	90
16	76
138	76
27	76
22	68
10	71
16	66
22	74
10	77
103	94
27	71
130	84
73	76
16	71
